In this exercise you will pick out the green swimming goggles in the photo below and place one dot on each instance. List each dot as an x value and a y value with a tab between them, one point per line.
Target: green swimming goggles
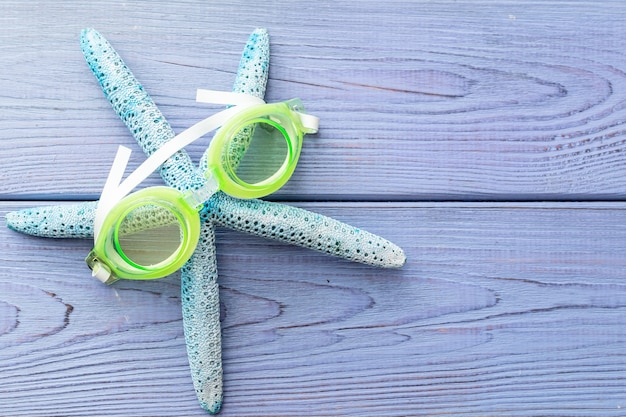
151	233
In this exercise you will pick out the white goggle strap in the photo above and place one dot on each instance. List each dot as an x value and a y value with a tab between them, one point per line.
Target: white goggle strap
115	189
310	123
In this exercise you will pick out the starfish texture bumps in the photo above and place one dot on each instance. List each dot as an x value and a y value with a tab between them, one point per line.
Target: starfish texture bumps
200	291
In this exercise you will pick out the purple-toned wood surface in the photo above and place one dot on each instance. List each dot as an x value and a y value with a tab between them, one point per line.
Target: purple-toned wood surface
511	306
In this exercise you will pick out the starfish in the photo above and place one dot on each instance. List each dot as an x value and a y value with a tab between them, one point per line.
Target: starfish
199	277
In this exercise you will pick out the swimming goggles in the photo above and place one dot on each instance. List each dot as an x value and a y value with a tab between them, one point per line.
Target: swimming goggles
151	233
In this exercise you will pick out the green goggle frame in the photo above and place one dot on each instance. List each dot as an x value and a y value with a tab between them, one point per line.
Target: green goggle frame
151	233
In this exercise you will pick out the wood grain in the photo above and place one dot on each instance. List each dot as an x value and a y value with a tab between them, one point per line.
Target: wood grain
418	100
503	309
510	309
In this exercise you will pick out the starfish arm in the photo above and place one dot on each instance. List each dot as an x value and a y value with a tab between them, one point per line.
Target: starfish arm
304	228
251	79
136	108
262	218
200	290
254	65
66	221
201	321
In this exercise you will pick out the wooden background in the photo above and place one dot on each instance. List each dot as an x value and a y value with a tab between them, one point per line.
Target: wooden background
487	138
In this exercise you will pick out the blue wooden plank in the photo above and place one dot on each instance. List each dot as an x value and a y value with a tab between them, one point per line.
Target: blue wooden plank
418	100
510	309
502	309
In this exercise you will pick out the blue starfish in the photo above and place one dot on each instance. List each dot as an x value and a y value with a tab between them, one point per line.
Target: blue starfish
200	291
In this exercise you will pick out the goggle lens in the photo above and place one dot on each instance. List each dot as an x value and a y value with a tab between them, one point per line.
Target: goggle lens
258	151
149	235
